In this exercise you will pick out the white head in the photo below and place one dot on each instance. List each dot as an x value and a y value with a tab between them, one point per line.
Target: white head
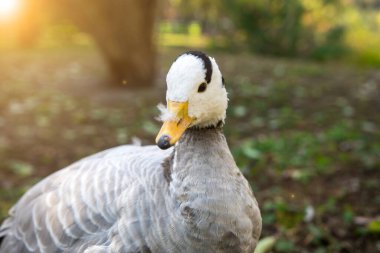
196	95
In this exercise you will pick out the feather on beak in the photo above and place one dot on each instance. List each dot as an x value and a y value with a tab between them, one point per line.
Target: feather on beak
175	126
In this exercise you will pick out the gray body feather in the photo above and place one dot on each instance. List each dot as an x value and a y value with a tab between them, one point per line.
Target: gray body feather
133	199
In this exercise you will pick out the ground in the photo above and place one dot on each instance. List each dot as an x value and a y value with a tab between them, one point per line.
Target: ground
305	134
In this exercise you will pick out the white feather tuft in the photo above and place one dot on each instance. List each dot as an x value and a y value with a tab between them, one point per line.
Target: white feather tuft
165	114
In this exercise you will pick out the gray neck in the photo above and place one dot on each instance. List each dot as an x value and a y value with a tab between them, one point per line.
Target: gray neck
207	194
202	167
202	152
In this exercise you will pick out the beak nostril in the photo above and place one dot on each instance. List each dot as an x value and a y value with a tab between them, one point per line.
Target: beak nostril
164	142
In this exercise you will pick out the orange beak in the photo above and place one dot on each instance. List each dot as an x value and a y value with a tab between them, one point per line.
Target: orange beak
173	129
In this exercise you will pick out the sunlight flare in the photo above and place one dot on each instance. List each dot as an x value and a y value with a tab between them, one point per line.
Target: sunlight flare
8	8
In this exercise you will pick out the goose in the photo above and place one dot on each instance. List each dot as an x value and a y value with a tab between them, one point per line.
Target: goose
184	194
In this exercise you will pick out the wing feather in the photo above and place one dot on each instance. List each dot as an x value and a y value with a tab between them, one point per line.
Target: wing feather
81	204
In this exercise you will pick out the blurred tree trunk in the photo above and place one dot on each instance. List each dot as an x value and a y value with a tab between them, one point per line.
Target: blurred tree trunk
123	30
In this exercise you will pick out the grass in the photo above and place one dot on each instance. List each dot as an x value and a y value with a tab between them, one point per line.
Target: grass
306	135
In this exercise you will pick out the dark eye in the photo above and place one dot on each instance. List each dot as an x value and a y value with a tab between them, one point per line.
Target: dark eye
202	87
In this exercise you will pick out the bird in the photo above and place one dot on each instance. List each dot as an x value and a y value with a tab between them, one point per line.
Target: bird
183	194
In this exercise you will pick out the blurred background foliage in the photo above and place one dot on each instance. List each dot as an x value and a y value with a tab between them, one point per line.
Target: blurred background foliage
302	75
316	29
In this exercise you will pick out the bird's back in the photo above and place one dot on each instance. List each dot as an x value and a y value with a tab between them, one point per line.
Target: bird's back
79	207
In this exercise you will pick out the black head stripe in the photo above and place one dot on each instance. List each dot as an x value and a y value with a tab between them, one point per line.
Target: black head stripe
206	63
